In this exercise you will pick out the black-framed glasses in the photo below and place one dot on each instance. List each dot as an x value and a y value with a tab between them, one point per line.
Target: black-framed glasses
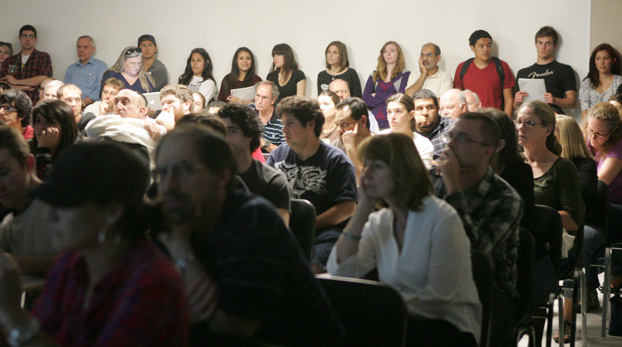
527	123
460	138
133	50
7	108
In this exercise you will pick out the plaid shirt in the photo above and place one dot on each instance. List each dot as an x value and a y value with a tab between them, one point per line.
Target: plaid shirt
38	64
435	135
140	302
491	212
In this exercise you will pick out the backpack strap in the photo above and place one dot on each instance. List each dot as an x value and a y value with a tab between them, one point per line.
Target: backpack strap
499	71
464	69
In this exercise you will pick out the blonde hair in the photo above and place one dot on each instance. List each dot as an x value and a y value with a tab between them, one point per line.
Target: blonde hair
608	114
381	69
571	139
143	76
412	182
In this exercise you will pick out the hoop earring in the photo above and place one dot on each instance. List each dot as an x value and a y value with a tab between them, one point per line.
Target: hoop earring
102	235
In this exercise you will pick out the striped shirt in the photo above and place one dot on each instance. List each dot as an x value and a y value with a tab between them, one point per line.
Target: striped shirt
273	130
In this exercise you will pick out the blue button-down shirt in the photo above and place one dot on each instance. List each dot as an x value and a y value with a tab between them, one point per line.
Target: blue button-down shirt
87	77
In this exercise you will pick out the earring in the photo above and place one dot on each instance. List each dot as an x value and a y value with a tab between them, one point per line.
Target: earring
102	235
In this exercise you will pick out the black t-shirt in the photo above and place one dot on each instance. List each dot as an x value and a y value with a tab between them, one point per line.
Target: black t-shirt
350	76
290	88
558	78
267	182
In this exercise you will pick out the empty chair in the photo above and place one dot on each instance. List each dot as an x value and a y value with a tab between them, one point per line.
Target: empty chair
302	224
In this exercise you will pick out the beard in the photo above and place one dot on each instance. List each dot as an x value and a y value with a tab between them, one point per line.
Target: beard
180	209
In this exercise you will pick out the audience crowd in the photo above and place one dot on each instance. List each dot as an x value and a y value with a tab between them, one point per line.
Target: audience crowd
163	214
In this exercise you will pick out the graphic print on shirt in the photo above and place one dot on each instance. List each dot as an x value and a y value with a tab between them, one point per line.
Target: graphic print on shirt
304	178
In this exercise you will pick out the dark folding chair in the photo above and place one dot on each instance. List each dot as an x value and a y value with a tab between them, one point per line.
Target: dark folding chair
524	286
372	313
302	224
483	269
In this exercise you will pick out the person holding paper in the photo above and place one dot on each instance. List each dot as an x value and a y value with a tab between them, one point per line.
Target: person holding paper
242	75
561	90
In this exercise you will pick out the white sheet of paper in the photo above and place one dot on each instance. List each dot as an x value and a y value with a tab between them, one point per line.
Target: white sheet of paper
534	87
245	94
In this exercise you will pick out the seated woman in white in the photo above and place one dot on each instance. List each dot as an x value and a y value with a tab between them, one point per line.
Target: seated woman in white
417	244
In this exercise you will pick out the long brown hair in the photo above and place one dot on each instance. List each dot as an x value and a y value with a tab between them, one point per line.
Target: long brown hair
608	114
381	69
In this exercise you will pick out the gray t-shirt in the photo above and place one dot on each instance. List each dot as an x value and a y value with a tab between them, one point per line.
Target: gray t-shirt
27	233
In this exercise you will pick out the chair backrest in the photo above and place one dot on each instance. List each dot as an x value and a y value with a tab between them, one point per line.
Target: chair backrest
302	224
525	265
483	269
372	313
602	190
548	224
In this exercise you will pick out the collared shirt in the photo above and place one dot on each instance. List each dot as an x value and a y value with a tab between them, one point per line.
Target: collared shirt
438	83
273	130
38	64
140	301
491	212
87	77
435	135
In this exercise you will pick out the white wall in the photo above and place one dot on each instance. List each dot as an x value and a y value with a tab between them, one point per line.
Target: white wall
308	26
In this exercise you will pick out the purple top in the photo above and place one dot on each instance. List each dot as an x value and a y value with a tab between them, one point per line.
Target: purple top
615	187
383	90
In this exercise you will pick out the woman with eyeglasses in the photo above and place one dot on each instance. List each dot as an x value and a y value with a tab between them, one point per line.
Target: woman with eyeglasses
603	131
129	69
603	78
338	67
242	75
6	50
285	74
556	181
417	243
401	117
198	74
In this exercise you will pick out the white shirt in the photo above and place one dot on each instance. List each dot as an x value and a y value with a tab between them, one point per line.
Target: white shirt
207	88
433	270
438	83
423	145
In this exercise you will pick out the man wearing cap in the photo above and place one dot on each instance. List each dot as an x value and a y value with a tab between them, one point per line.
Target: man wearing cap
153	66
24	233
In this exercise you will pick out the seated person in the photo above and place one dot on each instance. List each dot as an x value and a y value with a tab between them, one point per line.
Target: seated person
50	89
72	96
130	70
242	75
353	126
235	243
198	74
111	286
15	108
417	244
330	133
109	90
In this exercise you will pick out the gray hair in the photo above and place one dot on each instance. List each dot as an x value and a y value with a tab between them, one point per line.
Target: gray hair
424	94
54	83
437	49
275	89
87	37
463	96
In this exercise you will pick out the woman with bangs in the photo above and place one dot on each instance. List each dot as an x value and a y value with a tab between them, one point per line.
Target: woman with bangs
603	130
129	69
390	77
242	75
198	74
285	74
603	78
417	243
338	67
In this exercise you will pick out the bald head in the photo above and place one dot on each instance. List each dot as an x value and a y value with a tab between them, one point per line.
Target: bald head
450	105
341	88
471	99
129	104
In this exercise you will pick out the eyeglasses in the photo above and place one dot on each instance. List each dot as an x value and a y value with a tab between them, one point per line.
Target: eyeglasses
138	64
181	170
589	132
460	138
133	50
527	123
344	125
7	108
427	55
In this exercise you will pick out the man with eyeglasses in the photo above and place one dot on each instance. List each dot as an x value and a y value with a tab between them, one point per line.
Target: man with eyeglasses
489	207
15	108
266	94
27	69
430	75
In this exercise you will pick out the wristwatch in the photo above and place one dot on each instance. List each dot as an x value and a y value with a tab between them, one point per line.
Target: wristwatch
266	145
25	334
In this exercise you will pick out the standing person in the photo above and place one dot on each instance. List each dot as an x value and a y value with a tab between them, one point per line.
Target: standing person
15	107
390	77
603	78
430	76
6	51
561	89
242	75
488	76
401	117
417	244
130	70
338	67
87	72
27	69
330	131
198	74
111	286
285	74
154	67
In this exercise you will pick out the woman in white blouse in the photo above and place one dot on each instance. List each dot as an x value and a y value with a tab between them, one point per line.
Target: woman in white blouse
417	244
